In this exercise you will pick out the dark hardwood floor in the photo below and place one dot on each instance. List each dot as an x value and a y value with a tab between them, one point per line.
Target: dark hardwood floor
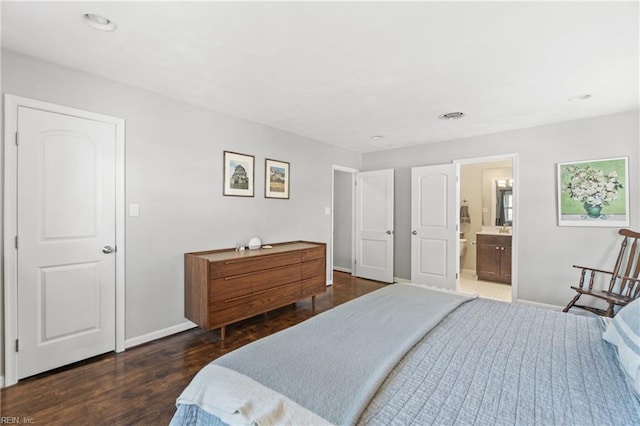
140	385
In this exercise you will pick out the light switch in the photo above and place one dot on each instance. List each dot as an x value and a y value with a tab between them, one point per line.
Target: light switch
327	211
134	210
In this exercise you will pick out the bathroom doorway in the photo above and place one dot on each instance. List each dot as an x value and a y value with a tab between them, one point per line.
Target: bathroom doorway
488	212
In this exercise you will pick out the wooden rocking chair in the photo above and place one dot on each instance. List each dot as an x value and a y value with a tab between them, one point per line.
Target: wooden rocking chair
624	285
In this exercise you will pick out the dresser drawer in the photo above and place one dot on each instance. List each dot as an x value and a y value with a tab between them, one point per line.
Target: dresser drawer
230	311
311	286
252	264
275	277
314	253
229	288
313	268
276	297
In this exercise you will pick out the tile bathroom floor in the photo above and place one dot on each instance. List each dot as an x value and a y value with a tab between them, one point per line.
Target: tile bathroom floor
486	289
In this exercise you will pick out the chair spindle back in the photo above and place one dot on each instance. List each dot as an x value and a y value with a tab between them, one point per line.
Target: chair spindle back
629	263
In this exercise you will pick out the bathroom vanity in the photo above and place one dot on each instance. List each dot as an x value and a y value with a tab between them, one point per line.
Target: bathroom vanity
493	262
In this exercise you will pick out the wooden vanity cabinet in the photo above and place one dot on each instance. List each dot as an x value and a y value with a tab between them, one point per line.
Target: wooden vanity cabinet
226	286
493	261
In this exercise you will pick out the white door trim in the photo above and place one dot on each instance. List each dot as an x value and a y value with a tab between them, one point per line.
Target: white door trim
336	168
514	229
11	104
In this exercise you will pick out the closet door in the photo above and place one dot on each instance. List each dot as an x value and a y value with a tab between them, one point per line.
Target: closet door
67	233
64	219
374	225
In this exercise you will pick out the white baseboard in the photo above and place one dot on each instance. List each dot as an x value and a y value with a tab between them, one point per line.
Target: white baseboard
341	269
540	305
400	280
187	325
471	272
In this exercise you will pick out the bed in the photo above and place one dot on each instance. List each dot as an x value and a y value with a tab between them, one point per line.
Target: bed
408	354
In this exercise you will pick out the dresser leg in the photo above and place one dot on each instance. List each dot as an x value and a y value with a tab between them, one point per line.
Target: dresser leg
223	332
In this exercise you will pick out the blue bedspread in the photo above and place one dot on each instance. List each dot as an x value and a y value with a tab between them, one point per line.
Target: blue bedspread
501	364
493	363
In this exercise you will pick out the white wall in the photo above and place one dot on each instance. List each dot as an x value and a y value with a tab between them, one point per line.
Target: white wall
546	252
174	172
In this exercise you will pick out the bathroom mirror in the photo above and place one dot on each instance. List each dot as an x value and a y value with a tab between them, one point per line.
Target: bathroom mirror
503	209
497	193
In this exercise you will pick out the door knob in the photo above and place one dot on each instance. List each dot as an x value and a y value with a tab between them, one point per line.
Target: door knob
415	232
108	249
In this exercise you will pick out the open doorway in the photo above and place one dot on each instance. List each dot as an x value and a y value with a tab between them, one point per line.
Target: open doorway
342	226
488	211
362	237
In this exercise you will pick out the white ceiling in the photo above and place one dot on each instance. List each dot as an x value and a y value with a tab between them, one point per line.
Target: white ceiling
342	72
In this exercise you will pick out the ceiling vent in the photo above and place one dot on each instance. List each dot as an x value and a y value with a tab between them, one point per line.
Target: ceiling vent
451	116
99	22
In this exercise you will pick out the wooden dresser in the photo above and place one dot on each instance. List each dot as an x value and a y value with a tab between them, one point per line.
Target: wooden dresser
226	286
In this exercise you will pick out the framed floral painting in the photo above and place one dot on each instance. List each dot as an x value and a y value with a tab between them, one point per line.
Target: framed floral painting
594	193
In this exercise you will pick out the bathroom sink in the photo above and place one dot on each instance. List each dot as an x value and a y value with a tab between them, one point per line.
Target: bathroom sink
495	230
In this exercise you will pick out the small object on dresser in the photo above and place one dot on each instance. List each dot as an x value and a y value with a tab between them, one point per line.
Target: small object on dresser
255	243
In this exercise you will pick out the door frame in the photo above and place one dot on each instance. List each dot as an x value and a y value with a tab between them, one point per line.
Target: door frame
336	168
10	303
514	228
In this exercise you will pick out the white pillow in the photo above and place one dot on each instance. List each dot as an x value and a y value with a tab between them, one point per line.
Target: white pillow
624	332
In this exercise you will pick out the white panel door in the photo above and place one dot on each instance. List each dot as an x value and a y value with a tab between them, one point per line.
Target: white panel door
434	239
66	217
374	225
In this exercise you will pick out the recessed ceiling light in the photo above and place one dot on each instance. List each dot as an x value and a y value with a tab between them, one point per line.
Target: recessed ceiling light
451	115
377	137
99	22
580	98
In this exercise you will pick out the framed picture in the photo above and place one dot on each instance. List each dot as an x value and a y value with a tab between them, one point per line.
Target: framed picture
594	193
238	174
276	176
